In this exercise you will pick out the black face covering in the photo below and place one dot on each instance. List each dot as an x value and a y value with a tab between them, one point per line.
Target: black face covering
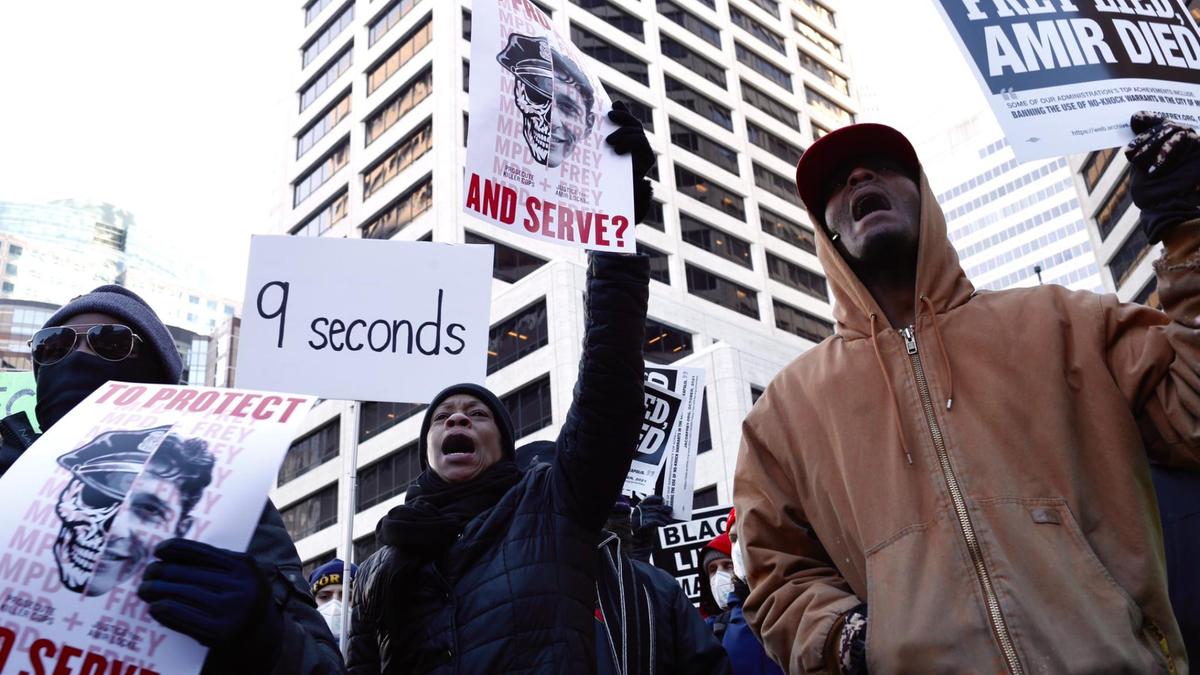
63	385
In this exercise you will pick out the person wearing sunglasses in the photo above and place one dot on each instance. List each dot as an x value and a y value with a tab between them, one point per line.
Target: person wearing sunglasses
253	610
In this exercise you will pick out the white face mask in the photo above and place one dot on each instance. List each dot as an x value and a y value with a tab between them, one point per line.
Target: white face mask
332	613
721	584
739	563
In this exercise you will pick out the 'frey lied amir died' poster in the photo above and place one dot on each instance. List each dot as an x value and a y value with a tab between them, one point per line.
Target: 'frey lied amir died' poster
537	163
131	466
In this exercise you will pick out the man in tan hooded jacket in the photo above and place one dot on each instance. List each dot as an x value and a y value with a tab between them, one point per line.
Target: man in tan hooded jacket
958	478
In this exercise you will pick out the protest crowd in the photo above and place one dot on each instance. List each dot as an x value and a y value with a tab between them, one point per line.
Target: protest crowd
920	493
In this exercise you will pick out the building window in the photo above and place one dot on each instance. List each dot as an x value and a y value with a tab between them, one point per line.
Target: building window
375	417
756	393
1129	255
313	10
692	61
773	144
15	251
1114	205
825	104
717	153
788	230
698	103
399	104
705	497
821	11
529	407
509	264
398	159
337	112
766	103
643	112
466	24
694	24
517	336
777	185
322	172
311	451
1094	166
816	37
388	477
767	36
1148	295
704	437
824	72
327	34
366	546
799	322
390	17
714	194
320	222
699	233
654	217
614	16
794	276
721	291
10	269
665	344
769	6
311	514
324	79
660	268
762	66
466	75
413	43
395	216
614	57
8	287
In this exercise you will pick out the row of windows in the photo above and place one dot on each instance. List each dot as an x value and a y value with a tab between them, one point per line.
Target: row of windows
821	11
312	514
1094	166
703	146
708	192
603	51
981	179
322	172
993	147
388	20
794	276
773	143
401	102
1015	229
692	23
337	112
328	216
816	37
1015	184
1015	207
325	79
376	417
313	10
401	212
762	66
825	73
787	230
398	159
1015	253
327	34
765	35
387	478
698	103
614	16
517	336
692	60
1114	205
799	322
311	451
1059	258
722	291
1132	250
400	55
780	186
828	106
641	111
698	233
764	102
508	264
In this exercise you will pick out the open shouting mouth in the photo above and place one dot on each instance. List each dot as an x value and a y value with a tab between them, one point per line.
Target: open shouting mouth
458	444
868	201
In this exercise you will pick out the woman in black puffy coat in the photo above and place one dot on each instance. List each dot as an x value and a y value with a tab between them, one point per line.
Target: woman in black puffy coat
486	569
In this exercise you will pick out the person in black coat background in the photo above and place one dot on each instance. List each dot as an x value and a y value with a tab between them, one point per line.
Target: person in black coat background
253	610
488	569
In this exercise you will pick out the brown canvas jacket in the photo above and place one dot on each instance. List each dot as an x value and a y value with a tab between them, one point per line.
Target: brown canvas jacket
1058	399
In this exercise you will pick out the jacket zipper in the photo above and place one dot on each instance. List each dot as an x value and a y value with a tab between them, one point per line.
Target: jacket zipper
999	627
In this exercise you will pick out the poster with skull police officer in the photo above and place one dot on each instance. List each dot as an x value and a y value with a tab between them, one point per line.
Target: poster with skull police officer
537	163
131	466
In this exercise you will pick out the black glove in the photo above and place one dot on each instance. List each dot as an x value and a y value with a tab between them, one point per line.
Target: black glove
1165	181
216	596
645	519
630	138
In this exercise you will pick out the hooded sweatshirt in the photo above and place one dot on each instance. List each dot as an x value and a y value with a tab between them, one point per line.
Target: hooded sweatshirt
1014	530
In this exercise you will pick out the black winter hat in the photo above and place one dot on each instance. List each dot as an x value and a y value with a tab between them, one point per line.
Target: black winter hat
499	413
131	309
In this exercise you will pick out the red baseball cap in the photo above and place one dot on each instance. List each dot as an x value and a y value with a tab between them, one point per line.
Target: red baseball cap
836	148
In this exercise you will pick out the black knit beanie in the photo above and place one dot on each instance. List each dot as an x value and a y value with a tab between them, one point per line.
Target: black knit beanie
132	310
499	413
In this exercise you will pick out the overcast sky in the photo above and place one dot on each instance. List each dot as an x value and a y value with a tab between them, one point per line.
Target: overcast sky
179	112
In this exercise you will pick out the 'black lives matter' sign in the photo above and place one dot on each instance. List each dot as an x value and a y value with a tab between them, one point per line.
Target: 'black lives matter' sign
677	548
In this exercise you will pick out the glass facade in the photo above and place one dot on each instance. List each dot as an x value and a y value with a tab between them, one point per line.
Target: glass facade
311	514
714	240
799	322
614	16
705	147
719	290
609	54
694	24
698	103
665	344
762	66
325	79
311	450
787	230
715	195
397	215
400	103
529	407
693	61
794	276
508	264
375	417
398	159
517	336
413	43
387	477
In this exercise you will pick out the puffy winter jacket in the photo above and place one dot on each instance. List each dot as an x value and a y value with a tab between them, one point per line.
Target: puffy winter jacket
307	647
645	624
516	592
1012	530
746	653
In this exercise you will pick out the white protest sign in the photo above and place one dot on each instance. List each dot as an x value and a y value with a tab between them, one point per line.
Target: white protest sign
364	319
676	473
131	466
537	163
1064	76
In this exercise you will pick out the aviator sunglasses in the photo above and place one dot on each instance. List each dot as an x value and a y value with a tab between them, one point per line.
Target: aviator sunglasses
110	341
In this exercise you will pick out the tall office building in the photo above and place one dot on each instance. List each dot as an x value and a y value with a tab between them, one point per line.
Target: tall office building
730	92
1126	256
1013	224
51	252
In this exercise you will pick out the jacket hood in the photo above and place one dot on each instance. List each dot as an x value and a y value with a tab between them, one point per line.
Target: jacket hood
939	275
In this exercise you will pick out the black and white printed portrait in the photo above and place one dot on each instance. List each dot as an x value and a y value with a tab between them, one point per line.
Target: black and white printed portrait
163	475
554	96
